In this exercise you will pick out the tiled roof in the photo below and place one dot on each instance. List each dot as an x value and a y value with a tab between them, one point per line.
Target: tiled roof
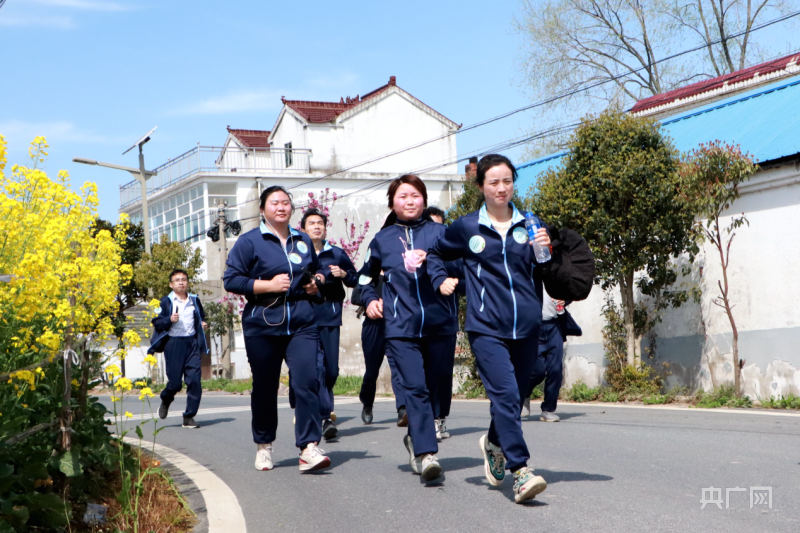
783	66
251	138
763	122
322	112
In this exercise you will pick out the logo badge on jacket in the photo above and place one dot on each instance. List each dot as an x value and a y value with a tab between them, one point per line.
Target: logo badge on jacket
296	259
364	280
302	247
477	244
520	235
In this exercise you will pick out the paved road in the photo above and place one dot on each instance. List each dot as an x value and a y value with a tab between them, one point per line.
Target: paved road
608	468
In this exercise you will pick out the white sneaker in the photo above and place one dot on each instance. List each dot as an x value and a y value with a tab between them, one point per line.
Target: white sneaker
313	458
333	416
548	416
264	457
443	429
430	468
412	462
494	462
527	485
439	436
526	407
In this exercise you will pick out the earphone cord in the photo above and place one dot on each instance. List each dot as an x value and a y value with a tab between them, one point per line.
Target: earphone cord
291	276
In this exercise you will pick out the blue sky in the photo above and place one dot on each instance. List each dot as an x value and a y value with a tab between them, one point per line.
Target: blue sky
94	75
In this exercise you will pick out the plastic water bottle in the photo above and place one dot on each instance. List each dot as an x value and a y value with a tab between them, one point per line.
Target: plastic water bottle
532	224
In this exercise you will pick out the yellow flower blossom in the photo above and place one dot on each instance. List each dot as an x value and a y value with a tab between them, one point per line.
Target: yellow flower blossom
123	384
150	360
128	414
146	393
141	383
75	383
113	370
114	399
25	405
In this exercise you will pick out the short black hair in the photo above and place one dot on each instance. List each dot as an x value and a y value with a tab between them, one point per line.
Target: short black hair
269	191
434	211
490	161
178	271
313	212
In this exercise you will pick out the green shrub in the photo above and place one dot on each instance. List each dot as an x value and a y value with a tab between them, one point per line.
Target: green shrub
581	392
538	392
723	396
609	396
348	385
228	385
790	401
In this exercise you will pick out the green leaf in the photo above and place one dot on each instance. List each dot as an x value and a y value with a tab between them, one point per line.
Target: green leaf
139	432
5	527
6	470
69	463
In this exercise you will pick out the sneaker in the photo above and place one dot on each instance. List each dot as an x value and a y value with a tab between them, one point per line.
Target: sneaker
313	458
526	407
430	468
494	462
412	462
333	416
163	411
402	417
548	416
439	437
366	415
329	431
188	422
527	485
294	420
264	457
443	429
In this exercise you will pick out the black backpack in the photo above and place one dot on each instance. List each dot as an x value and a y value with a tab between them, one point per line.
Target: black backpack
569	275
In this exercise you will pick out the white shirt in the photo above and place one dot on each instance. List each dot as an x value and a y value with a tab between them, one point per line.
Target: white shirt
502	228
184	327
548	306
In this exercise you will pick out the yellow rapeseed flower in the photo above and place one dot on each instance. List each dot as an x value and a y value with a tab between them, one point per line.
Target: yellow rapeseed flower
128	414
114	399
146	393
140	383
124	384
113	370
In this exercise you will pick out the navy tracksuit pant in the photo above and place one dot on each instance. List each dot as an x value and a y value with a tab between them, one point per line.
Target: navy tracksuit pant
443	396
182	358
265	354
329	367
549	364
327	370
505	367
373	341
418	361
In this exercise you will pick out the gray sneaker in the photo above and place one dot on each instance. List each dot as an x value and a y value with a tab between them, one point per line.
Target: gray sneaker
415	465
548	416
526	407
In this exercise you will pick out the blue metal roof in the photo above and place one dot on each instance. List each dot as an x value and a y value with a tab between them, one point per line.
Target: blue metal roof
765	122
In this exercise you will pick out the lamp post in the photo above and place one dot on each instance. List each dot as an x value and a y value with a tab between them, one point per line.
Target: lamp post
140	174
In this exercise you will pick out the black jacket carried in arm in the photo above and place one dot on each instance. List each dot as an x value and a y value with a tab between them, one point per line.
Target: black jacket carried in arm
570	274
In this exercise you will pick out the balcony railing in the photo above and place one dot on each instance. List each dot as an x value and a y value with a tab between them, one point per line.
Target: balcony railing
218	160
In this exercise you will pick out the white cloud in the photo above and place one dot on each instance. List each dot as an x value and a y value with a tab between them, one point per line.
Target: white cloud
61	23
235	102
18	132
86	5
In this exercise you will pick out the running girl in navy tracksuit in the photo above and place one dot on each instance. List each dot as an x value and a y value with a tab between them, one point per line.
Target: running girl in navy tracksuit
504	312
339	273
270	266
421	323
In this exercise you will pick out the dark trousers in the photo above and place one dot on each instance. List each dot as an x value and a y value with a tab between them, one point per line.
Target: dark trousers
373	342
443	396
419	365
505	367
182	358
265	354
549	364
329	343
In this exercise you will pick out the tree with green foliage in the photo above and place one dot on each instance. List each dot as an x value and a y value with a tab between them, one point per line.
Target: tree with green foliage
130	294
711	176
151	274
618	188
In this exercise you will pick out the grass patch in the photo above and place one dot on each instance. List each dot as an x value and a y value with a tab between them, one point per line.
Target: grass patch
538	392
228	385
609	396
723	396
348	385
581	392
790	401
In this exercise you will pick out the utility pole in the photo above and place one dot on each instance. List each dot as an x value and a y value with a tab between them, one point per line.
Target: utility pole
222	225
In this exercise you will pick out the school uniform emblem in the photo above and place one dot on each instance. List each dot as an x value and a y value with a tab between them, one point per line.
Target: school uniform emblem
294	258
520	235
364	279
477	244
301	246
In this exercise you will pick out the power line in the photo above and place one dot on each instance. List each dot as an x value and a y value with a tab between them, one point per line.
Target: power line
550	100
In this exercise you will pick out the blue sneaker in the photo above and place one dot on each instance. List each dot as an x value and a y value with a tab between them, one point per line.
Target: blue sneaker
494	462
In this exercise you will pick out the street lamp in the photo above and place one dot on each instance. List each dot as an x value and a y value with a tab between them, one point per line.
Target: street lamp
140	174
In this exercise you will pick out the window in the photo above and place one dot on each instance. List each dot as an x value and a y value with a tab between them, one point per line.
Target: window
288	154
179	217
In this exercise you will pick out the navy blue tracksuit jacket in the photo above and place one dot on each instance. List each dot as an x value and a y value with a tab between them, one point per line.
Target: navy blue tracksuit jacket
329	310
